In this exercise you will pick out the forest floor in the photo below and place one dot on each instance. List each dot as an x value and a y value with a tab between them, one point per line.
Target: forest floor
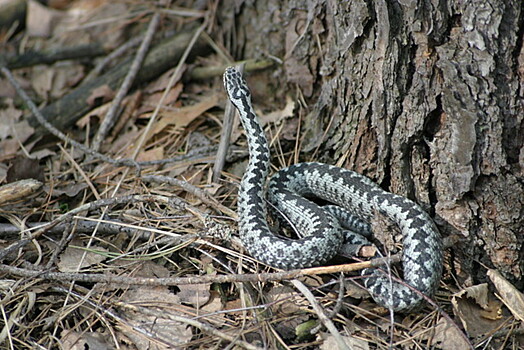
127	239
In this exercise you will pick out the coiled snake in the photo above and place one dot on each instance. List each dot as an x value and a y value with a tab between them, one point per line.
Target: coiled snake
322	234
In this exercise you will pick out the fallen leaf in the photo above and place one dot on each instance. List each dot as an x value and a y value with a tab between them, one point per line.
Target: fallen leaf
70	190
71	258
40	154
194	294
284	299
509	295
41	20
181	117
66	75
152	154
25	168
9	115
277	116
478	292
351	342
476	311
160	328
42	81
448	336
18	133
85	340
100	95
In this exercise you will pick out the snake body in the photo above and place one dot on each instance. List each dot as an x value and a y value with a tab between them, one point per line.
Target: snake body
322	236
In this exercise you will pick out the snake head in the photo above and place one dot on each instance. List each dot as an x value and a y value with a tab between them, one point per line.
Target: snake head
236	86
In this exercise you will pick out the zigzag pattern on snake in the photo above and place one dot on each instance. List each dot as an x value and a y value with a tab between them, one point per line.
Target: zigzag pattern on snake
322	234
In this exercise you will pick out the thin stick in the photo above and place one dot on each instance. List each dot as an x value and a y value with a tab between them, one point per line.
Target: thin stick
90	207
173	281
225	136
40	118
201	194
111	115
321	314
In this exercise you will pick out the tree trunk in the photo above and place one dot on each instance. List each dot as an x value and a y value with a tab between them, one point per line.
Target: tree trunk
424	97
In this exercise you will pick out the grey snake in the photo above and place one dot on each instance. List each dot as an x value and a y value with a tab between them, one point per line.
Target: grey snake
322	236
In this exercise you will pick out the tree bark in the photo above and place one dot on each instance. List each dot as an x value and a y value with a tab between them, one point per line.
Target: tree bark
425	97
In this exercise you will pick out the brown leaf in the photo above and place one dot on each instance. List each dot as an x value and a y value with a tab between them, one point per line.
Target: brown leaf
25	168
510	296
41	20
70	259
72	340
448	336
194	294
352	343
183	116
165	329
472	305
70	190
152	154
100	95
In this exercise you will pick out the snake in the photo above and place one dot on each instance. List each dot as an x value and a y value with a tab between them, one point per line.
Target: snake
295	192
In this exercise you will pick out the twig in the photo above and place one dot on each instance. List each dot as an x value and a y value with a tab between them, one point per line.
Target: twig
225	136
321	314
118	162
173	202
108	312
174	77
40	118
203	195
112	56
32	58
83	226
172	281
109	119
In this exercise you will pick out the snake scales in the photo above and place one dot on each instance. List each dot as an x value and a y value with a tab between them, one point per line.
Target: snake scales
322	234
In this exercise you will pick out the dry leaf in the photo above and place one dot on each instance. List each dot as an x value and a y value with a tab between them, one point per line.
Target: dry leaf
472	305
12	132
25	168
152	154
42	80
183	116
71	257
85	340
448	336
194	294
352	343
70	190
276	116
510	296
97	112
151	100
214	305
66	75
9	115
479	293
41	20
170	331
99	95
283	300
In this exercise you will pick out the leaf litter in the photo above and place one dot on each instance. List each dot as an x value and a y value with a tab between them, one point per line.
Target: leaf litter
169	239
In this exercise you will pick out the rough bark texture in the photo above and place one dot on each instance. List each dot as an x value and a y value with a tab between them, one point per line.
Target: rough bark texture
425	97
